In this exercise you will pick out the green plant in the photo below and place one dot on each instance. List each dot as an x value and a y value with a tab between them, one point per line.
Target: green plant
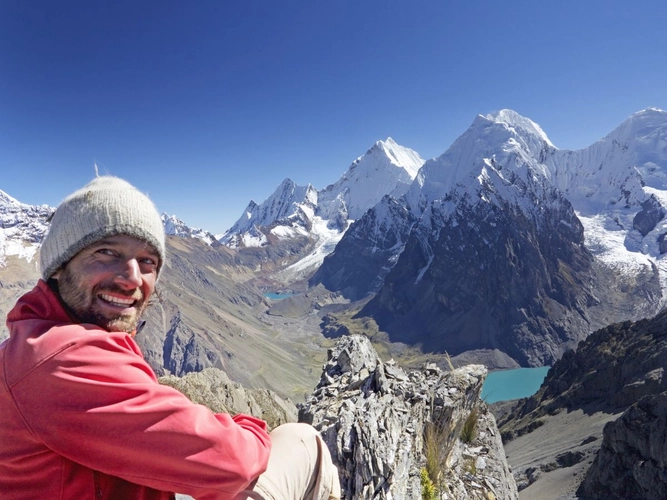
429	491
470	467
469	430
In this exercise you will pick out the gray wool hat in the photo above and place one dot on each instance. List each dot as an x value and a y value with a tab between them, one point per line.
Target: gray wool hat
104	207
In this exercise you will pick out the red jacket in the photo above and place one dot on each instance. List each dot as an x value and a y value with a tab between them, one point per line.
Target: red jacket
82	416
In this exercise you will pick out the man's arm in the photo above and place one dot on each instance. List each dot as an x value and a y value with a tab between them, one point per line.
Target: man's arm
98	403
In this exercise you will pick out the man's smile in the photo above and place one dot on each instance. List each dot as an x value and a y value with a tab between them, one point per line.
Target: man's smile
117	301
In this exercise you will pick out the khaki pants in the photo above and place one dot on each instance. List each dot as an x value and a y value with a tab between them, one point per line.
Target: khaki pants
300	468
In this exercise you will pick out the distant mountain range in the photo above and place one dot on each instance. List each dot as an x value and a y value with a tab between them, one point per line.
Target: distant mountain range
504	242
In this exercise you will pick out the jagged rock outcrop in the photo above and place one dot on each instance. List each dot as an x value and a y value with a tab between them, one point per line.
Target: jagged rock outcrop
648	217
632	462
213	389
373	417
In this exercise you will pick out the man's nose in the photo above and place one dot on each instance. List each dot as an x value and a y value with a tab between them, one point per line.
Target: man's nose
129	274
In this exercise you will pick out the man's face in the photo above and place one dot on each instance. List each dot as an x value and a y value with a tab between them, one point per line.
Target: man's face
109	282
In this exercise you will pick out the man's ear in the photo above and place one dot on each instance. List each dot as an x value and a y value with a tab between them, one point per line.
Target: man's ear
55	275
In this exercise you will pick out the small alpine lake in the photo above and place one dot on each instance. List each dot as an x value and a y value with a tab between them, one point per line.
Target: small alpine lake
519	383
277	295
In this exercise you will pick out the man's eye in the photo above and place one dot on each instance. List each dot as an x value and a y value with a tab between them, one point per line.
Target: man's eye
149	261
106	251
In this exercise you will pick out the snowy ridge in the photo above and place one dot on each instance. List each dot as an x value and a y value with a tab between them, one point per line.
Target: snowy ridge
22	228
296	211
503	140
386	168
290	206
608	183
506	160
176	227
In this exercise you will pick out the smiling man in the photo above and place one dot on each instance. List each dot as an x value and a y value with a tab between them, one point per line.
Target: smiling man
82	414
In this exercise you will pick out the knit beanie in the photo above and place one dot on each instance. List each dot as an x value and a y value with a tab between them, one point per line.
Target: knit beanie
104	207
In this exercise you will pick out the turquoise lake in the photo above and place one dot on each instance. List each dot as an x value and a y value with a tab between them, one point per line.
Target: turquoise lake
513	384
277	296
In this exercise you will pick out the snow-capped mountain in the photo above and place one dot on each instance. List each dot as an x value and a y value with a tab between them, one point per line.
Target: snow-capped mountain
287	212
515	241
176	227
21	227
320	218
385	169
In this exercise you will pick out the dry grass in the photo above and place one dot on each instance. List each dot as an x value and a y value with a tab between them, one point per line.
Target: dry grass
469	430
436	436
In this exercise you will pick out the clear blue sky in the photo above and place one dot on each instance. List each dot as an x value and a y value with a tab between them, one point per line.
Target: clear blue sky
208	104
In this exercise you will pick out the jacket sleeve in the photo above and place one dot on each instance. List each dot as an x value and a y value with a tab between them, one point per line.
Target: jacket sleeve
98	403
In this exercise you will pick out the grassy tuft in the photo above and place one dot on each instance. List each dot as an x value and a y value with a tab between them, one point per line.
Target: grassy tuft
435	450
469	430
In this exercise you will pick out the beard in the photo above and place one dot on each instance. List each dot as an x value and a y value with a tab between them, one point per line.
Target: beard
84	303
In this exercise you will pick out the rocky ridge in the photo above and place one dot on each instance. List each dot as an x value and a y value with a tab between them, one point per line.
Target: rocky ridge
373	416
632	461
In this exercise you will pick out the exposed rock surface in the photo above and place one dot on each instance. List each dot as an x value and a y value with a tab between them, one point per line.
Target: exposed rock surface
213	389
632	462
618	368
364	256
373	417
510	280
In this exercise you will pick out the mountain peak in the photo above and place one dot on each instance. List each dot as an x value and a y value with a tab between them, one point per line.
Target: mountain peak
176	227
398	155
512	119
642	124
5	199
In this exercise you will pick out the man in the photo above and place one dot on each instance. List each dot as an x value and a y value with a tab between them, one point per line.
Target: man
82	415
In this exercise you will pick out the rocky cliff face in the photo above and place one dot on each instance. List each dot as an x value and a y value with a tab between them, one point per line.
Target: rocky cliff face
374	418
491	275
612	369
364	256
632	461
